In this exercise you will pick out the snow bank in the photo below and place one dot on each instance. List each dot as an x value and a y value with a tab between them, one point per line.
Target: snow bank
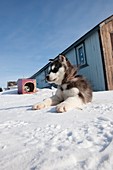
46	140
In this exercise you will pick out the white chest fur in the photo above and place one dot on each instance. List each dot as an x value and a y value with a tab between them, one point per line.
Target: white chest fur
70	93
64	93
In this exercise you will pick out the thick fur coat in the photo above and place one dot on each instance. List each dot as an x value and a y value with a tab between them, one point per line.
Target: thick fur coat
73	90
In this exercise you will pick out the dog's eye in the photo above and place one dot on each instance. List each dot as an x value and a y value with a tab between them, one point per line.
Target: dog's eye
56	67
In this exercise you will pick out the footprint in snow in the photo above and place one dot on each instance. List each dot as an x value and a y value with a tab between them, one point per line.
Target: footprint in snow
95	136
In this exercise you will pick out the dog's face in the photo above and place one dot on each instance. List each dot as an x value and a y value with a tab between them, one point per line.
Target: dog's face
57	70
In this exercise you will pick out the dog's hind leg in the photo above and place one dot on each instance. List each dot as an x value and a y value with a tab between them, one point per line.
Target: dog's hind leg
70	103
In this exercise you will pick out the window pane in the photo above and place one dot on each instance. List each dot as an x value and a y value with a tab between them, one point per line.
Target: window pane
81	55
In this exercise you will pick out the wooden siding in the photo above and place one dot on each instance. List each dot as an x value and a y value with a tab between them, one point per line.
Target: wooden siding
94	70
106	29
71	55
40	79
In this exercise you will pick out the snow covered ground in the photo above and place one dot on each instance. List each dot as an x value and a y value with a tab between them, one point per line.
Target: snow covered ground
46	140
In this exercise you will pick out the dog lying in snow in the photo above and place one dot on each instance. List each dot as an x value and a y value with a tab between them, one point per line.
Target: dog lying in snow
73	90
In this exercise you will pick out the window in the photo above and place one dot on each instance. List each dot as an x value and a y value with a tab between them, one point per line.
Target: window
81	57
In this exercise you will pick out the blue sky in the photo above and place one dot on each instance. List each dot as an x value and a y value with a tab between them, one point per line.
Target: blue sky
32	31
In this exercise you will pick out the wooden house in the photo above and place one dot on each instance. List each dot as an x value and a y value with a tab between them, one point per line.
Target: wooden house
94	52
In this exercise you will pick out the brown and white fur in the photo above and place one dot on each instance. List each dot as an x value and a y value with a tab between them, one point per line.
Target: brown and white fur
73	90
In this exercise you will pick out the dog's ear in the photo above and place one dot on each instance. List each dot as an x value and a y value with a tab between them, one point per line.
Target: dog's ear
51	60
62	59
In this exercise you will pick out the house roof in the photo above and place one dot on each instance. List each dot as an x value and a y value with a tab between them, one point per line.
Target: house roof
76	43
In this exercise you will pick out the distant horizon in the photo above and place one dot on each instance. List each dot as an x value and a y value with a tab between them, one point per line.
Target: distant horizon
31	32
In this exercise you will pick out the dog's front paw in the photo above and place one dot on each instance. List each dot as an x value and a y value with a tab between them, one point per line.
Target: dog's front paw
38	106
63	107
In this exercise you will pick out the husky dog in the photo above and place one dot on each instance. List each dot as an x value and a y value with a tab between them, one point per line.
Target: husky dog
26	88
73	90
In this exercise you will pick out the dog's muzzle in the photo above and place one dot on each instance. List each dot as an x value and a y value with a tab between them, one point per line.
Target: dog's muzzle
49	79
